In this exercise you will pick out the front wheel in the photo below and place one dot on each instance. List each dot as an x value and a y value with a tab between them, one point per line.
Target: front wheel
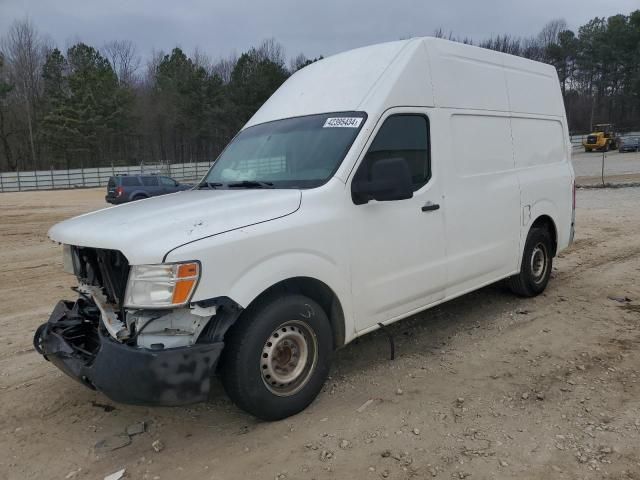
277	356
537	261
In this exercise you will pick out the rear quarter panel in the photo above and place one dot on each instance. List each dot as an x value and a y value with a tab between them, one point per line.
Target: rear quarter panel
542	157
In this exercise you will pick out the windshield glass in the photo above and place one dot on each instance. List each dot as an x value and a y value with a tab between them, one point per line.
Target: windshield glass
300	152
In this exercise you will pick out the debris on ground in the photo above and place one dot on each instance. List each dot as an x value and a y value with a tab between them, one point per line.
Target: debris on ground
158	446
73	473
107	408
112	442
364	406
344	444
136	428
622	299
116	475
326	455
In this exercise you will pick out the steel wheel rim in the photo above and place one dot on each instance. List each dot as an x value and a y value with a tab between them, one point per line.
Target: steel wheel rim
539	262
288	358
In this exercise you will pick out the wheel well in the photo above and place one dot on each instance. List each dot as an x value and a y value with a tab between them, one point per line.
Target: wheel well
321	293
545	221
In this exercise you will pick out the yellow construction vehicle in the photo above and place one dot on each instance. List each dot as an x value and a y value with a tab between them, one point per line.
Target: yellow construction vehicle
603	138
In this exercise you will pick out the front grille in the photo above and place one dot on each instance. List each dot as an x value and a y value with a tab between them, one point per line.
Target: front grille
107	269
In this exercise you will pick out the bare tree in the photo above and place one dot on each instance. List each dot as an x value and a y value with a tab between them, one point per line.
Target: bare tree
152	67
272	51
25	51
201	59
298	62
7	129
531	49
124	59
550	32
224	67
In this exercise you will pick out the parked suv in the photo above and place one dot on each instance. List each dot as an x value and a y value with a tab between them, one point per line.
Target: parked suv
372	185
630	144
127	188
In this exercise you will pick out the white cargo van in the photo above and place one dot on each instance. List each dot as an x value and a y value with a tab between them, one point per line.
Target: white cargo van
372	185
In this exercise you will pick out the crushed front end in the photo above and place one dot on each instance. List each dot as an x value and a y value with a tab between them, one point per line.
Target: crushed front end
142	356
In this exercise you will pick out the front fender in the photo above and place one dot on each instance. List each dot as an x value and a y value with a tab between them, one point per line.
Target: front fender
244	263
277	267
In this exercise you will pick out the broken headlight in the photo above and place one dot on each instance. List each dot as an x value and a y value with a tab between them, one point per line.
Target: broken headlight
67	259
161	286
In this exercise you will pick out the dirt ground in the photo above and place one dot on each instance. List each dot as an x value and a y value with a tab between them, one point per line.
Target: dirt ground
486	386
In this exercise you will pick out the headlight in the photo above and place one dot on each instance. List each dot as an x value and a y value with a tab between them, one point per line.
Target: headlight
161	286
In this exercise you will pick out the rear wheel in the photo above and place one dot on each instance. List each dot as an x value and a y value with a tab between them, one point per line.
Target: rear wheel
138	197
277	356
537	261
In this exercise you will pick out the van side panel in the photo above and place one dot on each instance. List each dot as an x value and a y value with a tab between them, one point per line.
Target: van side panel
544	172
533	87
482	201
467	77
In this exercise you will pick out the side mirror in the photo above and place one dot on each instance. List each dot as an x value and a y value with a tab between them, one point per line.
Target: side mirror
389	179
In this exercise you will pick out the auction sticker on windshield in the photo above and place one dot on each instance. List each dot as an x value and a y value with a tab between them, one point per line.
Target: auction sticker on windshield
343	122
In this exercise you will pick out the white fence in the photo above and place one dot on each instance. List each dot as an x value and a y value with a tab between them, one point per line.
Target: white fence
94	177
98	177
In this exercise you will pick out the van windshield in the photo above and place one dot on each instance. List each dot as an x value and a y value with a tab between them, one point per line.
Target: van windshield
300	152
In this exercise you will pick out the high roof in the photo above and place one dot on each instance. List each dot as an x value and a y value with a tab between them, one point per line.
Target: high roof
417	72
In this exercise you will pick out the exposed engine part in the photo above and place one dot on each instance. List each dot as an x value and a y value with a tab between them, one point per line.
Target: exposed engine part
106	269
116	328
166	329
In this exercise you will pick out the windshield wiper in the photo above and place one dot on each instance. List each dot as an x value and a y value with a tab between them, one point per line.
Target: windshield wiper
209	185
250	184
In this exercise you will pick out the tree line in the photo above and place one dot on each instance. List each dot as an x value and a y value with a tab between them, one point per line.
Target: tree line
88	106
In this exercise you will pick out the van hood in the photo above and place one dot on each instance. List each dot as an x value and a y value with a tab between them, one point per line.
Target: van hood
146	230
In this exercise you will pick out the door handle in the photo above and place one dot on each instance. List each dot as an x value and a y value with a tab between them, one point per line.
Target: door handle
430	207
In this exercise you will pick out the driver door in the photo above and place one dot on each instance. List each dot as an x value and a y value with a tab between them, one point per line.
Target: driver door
398	246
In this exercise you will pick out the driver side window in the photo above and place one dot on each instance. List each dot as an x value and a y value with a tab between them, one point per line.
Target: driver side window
403	136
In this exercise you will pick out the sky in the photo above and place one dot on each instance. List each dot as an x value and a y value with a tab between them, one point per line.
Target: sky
313	27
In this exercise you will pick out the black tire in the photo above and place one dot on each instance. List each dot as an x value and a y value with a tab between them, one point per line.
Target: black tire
257	345
534	277
138	197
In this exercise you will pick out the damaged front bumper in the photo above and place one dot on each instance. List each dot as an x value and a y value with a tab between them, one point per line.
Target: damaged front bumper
75	340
